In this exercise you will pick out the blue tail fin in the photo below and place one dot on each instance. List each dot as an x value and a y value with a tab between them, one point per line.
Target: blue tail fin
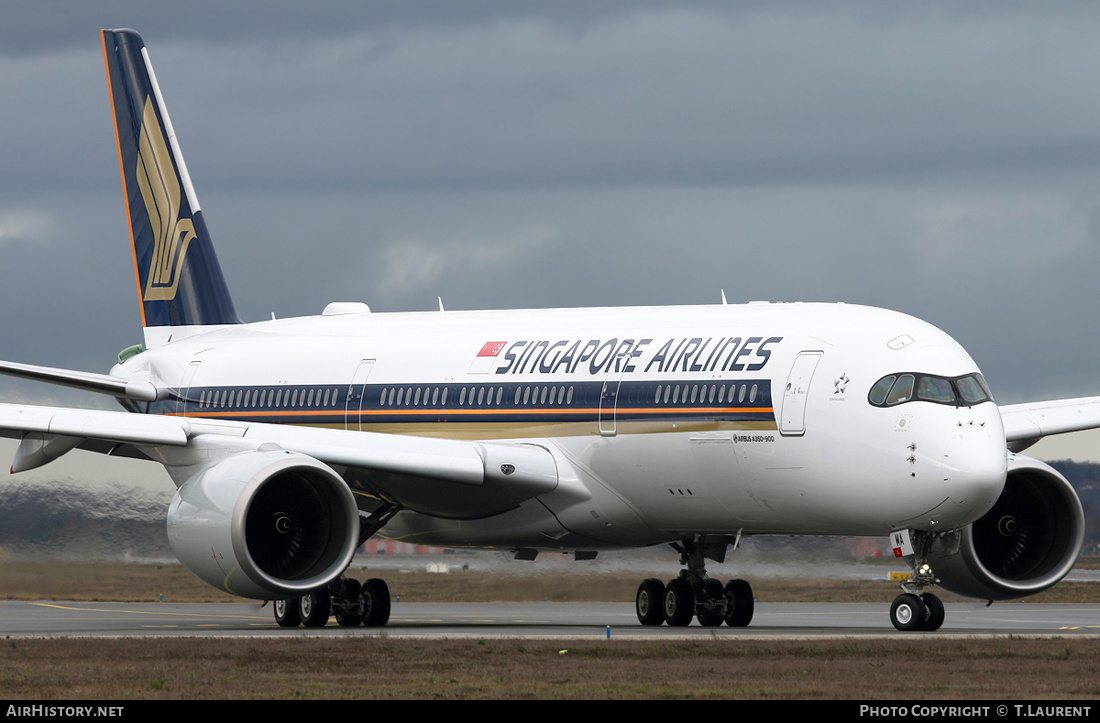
179	279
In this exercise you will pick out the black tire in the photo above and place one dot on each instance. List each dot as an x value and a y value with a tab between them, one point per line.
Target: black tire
679	603
286	613
908	612
376	602
709	607
936	612
649	601
739	603
315	608
348	616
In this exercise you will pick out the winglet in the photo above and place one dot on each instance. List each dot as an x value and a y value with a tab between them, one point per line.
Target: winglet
179	280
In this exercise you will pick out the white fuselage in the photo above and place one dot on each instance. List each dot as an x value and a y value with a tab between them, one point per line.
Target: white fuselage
664	422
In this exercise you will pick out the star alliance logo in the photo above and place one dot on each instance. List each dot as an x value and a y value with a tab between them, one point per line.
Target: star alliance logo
160	189
840	384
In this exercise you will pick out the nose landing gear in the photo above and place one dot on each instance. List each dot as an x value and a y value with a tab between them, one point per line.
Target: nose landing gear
916	609
913	611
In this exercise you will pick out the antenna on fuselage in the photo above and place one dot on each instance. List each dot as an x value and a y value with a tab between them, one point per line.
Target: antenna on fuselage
723	297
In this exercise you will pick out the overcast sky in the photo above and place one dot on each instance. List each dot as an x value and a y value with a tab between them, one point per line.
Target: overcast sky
939	159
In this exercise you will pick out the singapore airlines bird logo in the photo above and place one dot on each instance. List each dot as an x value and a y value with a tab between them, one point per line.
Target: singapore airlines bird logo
161	190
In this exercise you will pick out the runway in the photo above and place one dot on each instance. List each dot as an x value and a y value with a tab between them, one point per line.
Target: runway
565	621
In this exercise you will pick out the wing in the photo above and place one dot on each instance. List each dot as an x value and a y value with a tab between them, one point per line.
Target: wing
441	477
1026	424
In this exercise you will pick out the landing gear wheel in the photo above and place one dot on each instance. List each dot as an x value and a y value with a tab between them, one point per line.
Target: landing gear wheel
348	608
935	612
315	608
739	603
286	613
649	600
376	602
908	612
709	610
679	603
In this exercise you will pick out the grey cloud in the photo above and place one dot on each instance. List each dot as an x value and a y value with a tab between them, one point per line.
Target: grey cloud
941	161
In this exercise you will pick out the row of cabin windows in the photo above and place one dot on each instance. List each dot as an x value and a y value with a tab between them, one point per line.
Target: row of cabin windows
679	394
271	398
473	396
467	396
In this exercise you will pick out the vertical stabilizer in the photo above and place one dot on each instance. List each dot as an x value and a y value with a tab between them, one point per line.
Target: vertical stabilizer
179	280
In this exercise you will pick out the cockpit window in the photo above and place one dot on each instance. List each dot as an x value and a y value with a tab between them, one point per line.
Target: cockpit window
973	389
935	389
961	391
902	391
882	386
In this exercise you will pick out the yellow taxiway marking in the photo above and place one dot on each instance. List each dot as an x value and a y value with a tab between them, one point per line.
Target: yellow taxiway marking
142	612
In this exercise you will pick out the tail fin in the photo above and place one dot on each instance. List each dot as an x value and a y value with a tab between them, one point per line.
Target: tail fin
179	280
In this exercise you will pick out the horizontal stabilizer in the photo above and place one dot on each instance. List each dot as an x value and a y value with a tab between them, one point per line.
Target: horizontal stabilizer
89	382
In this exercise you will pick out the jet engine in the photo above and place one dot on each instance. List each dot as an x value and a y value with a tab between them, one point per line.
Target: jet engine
1025	544
265	524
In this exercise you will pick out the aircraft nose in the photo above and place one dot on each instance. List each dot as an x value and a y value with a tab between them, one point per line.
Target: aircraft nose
975	463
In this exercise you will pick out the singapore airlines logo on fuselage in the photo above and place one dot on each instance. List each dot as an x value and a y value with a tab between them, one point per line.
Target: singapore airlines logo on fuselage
160	188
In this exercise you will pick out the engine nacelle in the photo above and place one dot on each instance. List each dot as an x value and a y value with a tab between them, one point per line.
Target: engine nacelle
265	524
1024	545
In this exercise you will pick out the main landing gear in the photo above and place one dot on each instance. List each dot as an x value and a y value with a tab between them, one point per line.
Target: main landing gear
693	594
351	603
345	599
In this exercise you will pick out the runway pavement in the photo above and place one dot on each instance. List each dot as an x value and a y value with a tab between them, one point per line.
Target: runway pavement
537	620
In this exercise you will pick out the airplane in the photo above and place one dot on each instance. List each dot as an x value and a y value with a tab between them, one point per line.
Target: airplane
293	441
